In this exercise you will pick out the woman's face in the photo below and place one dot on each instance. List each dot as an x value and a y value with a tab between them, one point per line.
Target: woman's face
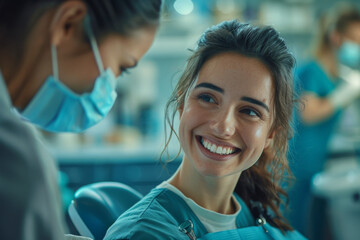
76	62
117	52
225	122
349	46
352	33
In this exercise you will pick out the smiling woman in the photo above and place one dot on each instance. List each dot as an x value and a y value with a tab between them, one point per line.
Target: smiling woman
235	102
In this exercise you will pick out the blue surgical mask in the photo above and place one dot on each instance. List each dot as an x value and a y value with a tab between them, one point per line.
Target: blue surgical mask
349	54
57	108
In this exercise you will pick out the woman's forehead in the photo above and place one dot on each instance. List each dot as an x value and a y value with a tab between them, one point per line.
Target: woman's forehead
236	72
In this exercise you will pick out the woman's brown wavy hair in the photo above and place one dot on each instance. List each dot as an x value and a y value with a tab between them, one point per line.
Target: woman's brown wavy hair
262	182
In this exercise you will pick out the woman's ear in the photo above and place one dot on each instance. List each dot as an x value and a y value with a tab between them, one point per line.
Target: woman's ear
270	138
67	21
181	109
335	39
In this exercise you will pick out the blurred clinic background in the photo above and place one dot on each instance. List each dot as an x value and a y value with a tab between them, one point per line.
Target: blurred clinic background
126	146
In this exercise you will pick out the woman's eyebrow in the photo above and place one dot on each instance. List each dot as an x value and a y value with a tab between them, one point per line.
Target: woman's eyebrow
211	86
220	90
255	101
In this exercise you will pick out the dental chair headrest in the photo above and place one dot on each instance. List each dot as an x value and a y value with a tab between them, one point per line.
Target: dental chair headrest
96	207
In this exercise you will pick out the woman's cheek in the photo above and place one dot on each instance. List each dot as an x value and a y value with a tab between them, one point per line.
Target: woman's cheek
259	132
253	135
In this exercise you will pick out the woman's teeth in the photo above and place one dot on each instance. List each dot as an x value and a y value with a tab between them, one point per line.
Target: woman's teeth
222	150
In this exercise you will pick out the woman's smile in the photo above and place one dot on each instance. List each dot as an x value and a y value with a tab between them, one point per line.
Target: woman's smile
215	150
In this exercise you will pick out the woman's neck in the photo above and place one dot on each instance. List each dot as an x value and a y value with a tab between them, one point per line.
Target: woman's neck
212	193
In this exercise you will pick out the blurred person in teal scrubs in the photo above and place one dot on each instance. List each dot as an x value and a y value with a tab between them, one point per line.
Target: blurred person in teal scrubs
59	62
235	101
327	84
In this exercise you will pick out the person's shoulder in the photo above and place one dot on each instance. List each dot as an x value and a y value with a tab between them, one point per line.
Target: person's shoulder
20	146
276	233
309	65
310	68
28	181
310	77
245	218
147	219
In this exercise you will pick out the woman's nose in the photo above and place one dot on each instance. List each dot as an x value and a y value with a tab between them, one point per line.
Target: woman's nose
224	123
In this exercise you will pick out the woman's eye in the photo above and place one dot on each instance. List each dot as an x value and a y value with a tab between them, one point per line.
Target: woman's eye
206	98
124	70
250	112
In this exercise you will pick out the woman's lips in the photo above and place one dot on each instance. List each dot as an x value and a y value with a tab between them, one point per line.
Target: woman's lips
216	151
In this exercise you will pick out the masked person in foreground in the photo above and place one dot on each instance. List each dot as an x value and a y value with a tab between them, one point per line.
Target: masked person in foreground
59	61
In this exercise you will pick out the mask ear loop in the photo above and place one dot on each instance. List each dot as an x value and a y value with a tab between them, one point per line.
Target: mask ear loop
93	44
54	62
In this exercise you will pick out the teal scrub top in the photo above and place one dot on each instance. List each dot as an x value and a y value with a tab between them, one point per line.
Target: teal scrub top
160	213
308	148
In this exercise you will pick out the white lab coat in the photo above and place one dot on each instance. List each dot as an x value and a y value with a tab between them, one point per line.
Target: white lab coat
30	205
